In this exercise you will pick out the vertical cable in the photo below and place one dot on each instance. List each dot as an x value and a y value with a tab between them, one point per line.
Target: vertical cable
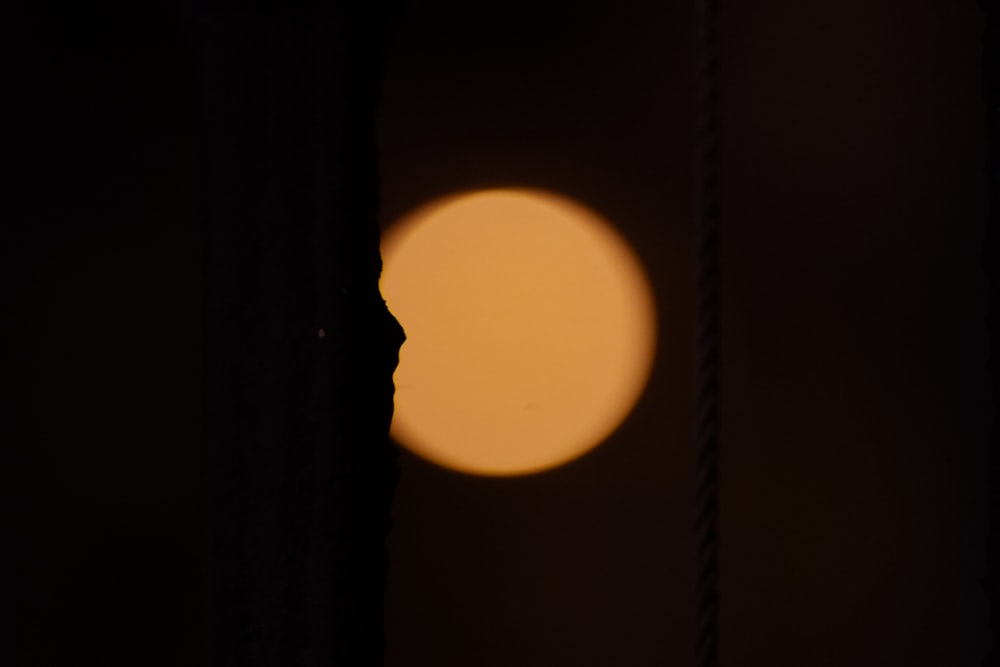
708	335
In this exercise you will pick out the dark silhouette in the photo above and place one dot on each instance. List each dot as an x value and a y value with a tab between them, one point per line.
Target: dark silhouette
991	266
299	347
190	175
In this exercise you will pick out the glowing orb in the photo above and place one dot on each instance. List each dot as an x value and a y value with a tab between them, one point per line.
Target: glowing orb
530	330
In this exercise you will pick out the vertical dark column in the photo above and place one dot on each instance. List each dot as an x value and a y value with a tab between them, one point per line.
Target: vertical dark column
299	347
991	265
708	370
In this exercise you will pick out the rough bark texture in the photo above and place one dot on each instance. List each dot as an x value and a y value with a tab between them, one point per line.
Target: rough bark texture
299	347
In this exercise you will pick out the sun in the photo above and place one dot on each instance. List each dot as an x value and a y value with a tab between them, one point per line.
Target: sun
530	325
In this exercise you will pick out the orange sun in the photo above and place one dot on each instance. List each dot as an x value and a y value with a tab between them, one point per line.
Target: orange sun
530	330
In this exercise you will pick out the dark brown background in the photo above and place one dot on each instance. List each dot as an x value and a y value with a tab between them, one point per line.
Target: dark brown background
856	398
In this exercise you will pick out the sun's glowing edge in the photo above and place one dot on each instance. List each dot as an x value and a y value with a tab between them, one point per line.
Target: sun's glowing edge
645	328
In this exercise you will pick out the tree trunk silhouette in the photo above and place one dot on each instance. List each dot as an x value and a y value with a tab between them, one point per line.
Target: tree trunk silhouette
299	347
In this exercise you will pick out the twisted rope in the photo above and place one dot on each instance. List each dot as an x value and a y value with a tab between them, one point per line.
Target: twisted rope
708	335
